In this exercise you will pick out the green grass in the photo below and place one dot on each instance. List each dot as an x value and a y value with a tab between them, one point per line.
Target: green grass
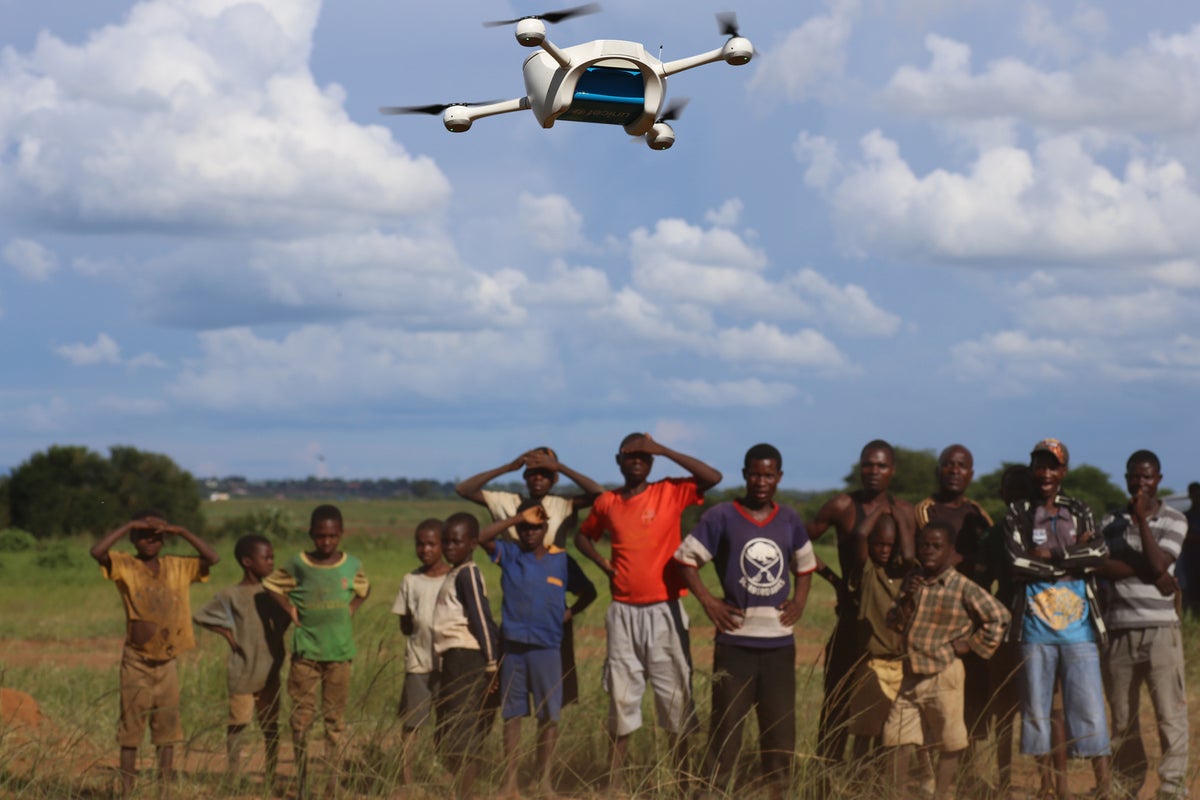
56	597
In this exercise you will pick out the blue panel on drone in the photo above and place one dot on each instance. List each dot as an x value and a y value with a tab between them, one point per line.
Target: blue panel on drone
607	94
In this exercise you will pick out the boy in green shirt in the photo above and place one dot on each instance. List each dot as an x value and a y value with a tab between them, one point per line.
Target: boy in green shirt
320	589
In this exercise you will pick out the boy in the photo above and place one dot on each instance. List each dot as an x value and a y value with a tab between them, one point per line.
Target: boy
158	627
253	624
535	580
646	624
320	590
757	546
1054	553
1145	646
875	582
466	643
942	616
414	605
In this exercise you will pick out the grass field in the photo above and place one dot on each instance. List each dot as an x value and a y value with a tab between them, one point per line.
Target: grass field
61	629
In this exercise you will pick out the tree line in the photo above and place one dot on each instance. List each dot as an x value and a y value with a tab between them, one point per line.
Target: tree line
68	490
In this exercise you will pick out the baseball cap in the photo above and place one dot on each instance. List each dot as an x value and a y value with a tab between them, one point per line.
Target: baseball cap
1054	447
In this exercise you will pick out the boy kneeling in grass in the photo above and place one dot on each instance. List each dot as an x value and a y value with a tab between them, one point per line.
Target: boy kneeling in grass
253	624
535	580
942	615
158	627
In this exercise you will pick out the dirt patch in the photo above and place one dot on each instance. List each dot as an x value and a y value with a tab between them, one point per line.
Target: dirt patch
97	651
18	709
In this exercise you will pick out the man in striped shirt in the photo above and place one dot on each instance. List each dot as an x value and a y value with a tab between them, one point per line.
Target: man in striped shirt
1144	645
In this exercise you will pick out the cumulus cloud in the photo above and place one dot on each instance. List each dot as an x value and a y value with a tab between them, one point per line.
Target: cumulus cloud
749	393
30	259
1055	204
821	157
196	116
551	222
1151	88
1014	362
49	416
809	55
103	351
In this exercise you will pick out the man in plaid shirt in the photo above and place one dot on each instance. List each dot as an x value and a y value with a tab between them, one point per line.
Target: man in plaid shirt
942	616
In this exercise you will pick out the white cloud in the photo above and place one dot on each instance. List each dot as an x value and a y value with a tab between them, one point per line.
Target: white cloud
1013	362
847	308
767	344
31	259
550	222
132	406
821	156
810	55
47	417
196	116
750	392
103	351
1056	204
322	365
1041	31
727	216
1154	88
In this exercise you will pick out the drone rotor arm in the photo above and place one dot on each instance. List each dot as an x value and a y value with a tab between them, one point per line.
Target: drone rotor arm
691	62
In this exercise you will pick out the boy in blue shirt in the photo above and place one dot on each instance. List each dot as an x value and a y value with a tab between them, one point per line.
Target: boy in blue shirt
535	580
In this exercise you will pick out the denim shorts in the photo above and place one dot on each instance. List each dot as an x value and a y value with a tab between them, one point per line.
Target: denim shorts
527	670
1077	666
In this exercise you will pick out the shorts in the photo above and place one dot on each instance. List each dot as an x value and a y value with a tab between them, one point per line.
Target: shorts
461	704
263	704
149	691
529	670
929	711
876	684
416	699
1077	666
648	642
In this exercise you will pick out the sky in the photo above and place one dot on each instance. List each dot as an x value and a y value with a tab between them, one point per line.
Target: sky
929	222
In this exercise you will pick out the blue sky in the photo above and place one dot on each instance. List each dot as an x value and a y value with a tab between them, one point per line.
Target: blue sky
961	222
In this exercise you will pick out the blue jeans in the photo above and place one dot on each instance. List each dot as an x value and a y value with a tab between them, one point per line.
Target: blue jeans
1078	668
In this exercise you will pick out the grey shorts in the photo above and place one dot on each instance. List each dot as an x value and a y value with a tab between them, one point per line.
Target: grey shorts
416	701
648	643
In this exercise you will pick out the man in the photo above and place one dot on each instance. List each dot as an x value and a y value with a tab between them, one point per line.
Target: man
1187	568
754	544
1054	551
844	513
646	624
1144	644
949	504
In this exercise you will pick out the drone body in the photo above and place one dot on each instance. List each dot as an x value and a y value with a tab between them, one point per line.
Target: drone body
607	81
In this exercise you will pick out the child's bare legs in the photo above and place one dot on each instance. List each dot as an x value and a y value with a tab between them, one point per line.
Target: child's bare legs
408	740
128	768
512	741
547	742
1004	754
619	745
901	758
235	743
947	767
1052	768
1101	768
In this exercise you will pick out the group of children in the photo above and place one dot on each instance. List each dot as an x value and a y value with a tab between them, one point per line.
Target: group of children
915	624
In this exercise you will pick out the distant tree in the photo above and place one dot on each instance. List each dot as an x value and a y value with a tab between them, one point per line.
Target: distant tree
1090	484
68	490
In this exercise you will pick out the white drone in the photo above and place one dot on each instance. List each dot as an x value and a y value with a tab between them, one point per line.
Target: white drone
607	81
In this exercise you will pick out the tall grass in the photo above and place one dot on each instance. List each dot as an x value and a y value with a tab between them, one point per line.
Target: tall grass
56	597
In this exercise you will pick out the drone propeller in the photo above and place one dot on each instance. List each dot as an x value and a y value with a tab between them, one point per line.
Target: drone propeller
436	108
550	16
674	109
728	24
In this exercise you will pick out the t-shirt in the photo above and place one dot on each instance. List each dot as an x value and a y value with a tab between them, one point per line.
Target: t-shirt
321	594
1056	612
752	558
645	534
258	624
160	599
877	590
971	523
416	599
503	505
535	593
1134	603
462	615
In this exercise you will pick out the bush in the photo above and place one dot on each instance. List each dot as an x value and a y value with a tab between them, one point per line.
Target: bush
59	555
274	523
15	540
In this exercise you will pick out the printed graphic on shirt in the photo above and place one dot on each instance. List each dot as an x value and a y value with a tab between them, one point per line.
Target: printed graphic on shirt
762	567
1058	607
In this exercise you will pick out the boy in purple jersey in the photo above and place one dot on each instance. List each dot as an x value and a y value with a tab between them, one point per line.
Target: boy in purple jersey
755	543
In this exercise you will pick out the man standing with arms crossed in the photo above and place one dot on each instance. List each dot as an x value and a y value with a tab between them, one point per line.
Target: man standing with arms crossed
646	624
